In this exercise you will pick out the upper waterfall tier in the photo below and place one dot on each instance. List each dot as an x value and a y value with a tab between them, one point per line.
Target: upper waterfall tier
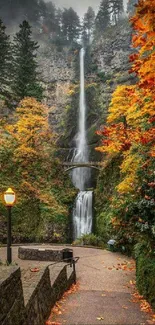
80	176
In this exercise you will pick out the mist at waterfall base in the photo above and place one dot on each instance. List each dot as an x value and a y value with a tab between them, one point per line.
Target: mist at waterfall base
82	212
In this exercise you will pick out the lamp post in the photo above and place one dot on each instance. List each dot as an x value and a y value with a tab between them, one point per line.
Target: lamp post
9	198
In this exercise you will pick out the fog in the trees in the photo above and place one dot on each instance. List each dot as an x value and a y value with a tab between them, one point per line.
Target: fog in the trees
80	6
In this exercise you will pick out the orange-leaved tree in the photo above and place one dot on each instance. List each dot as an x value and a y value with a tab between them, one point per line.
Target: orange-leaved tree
130	134
130	126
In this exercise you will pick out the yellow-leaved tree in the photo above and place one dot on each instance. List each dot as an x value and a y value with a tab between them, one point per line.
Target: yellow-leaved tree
28	165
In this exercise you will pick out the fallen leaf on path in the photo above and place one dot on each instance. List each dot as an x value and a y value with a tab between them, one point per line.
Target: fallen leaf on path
35	269
60	312
100	318
126	286
126	266
58	308
124	307
103	295
132	282
144	306
109	268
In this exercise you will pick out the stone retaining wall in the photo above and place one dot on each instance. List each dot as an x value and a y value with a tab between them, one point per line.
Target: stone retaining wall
40	254
39	303
12	310
40	295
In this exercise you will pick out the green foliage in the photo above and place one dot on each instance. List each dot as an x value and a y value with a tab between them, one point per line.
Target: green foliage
102	20
142	248
87	26
89	240
24	79
130	218
54	25
70	25
26	217
104	227
108	178
90	65
70	116
14	11
5	58
145	278
103	76
116	9
108	17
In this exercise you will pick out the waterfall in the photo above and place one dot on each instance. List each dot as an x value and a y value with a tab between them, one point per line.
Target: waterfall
82	214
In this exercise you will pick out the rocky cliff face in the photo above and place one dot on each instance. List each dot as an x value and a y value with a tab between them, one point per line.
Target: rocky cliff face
112	50
110	54
108	67
57	75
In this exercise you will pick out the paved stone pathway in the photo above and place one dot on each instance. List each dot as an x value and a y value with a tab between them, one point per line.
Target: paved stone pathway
106	283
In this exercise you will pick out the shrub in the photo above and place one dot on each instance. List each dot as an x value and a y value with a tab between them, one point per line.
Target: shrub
145	277
89	239
103	76
145	270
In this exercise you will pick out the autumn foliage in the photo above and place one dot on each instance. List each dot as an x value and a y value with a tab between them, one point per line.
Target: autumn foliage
27	163
28	138
130	126
130	132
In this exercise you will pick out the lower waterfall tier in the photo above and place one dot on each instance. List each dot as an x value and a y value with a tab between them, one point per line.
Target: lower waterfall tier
82	214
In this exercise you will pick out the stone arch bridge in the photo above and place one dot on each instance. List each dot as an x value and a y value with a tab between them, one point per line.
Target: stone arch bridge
72	165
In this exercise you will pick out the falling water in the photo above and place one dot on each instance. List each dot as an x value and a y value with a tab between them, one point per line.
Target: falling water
82	214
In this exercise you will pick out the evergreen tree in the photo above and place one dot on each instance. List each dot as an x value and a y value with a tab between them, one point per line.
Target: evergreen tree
30	10
102	20
25	74
42	10
88	24
58	20
84	34
116	9
50	21
13	11
70	25
57	36
5	56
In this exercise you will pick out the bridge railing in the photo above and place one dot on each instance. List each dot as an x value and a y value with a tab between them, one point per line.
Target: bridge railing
90	163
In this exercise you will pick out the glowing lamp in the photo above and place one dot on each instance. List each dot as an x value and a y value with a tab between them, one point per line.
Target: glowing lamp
9	197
